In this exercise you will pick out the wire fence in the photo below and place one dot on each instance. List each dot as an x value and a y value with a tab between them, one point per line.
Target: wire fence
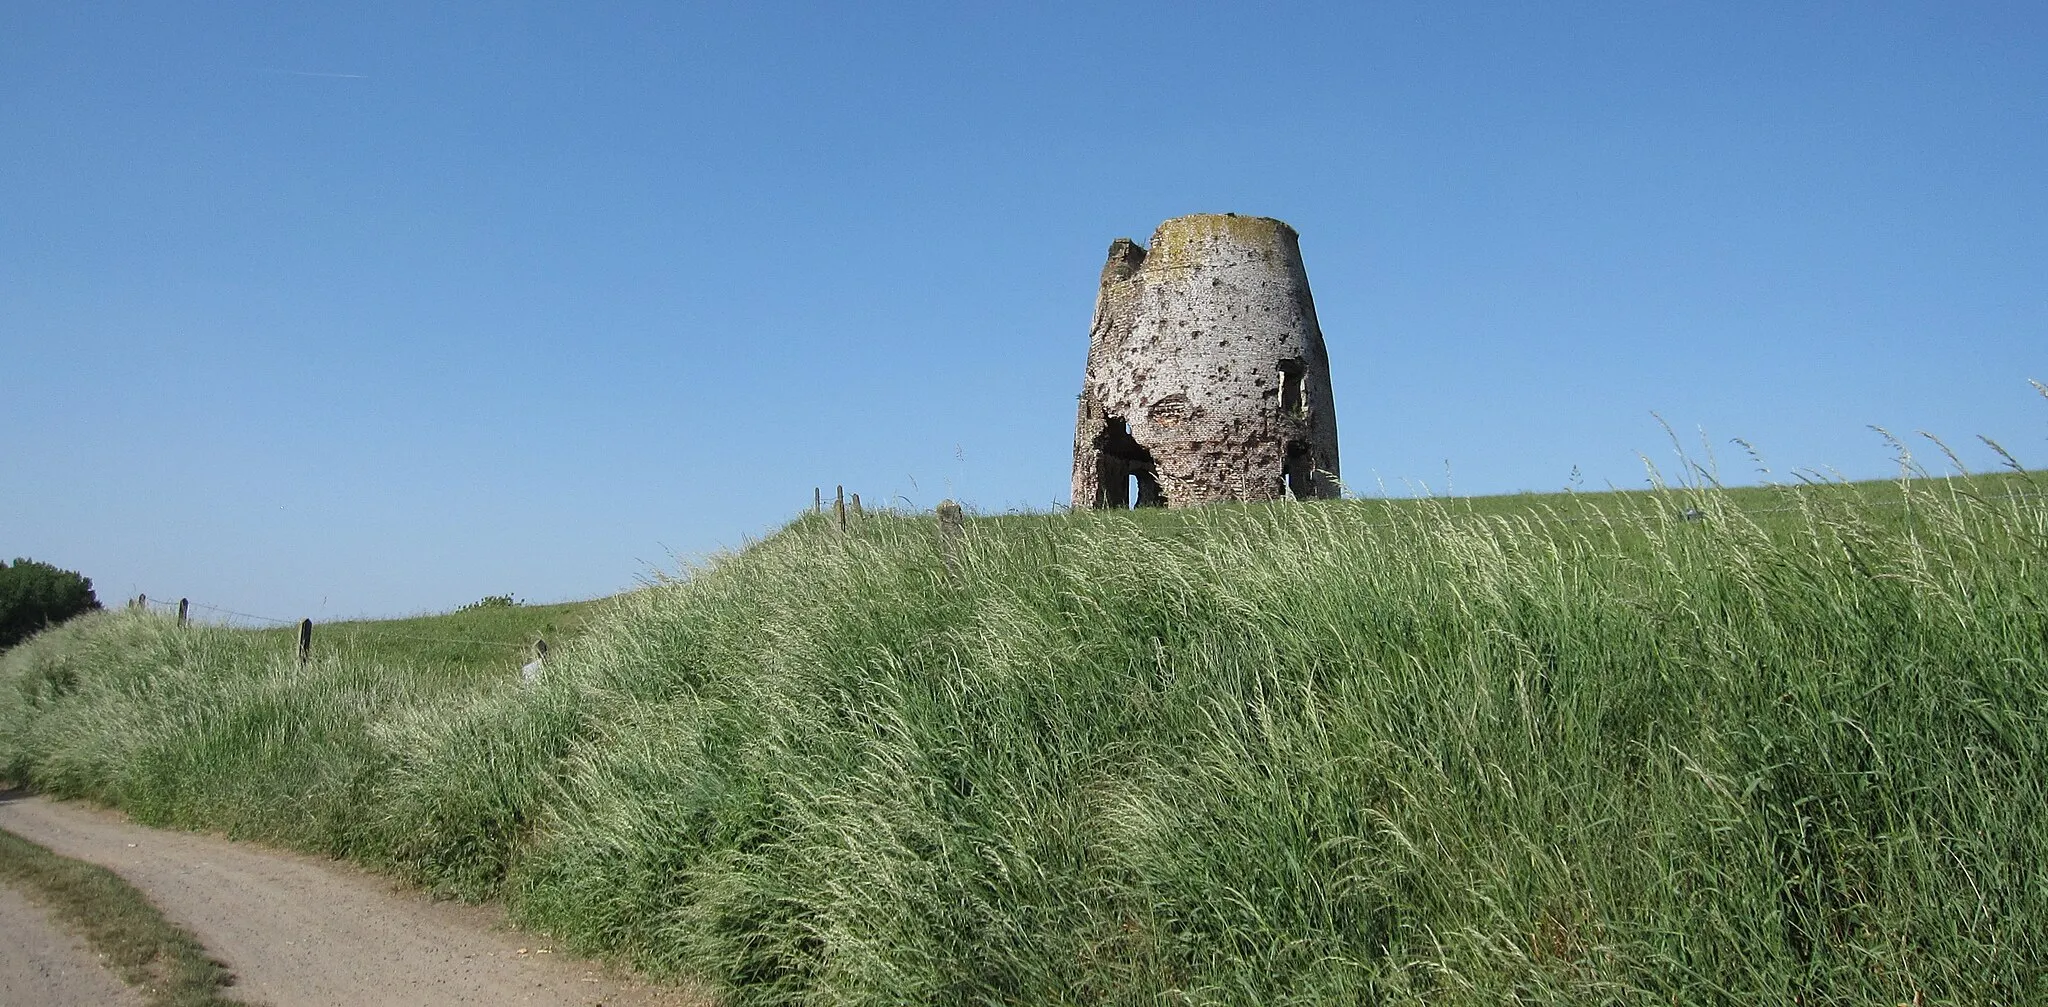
353	630
357	631
243	615
386	634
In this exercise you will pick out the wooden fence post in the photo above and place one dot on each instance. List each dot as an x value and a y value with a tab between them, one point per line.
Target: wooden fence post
951	528
531	672
839	506
142	602
182	603
856	505
817	500
305	641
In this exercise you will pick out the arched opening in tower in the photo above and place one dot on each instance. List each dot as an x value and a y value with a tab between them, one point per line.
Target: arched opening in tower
1298	472
1126	475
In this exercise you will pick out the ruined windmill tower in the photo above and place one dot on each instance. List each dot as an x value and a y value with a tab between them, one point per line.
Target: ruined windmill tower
1207	377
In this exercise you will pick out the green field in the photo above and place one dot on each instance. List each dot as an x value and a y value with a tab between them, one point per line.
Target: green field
1778	745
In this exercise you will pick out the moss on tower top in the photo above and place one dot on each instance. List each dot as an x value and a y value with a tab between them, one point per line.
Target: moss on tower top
1179	242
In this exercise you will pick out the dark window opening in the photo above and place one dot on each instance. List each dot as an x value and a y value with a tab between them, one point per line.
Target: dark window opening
1126	475
1293	375
1298	472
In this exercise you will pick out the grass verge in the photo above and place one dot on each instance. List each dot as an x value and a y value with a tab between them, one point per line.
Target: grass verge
1689	746
152	954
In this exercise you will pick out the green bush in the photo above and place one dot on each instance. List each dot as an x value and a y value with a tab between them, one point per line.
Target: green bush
34	596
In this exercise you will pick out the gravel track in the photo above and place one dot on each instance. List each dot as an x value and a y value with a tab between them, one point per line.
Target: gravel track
43	965
300	931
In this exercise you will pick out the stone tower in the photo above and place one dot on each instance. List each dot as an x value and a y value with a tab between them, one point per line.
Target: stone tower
1207	377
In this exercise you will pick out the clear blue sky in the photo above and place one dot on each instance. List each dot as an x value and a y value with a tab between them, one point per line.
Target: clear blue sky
346	309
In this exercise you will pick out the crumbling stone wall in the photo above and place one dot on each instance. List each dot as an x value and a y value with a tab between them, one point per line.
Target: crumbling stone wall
1207	377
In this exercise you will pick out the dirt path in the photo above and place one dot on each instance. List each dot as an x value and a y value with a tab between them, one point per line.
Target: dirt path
300	931
41	964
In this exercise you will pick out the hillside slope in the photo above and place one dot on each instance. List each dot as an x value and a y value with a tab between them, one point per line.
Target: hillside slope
1695	746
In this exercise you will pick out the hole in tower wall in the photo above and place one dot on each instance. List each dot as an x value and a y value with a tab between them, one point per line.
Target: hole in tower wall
1146	490
1126	474
1293	376
1298	472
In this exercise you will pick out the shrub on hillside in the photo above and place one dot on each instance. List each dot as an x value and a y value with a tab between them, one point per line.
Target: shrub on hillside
37	595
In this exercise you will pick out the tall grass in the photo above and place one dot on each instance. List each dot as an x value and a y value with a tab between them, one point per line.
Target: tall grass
1788	747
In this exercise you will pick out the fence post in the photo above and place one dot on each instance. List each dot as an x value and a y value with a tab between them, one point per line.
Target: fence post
305	641
182	603
951	529
817	500
142	602
839	506
530	672
856	505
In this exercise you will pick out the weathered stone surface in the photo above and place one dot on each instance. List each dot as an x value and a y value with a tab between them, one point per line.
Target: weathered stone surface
1207	376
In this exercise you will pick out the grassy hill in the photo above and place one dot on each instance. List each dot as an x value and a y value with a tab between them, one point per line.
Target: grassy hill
1686	746
477	641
